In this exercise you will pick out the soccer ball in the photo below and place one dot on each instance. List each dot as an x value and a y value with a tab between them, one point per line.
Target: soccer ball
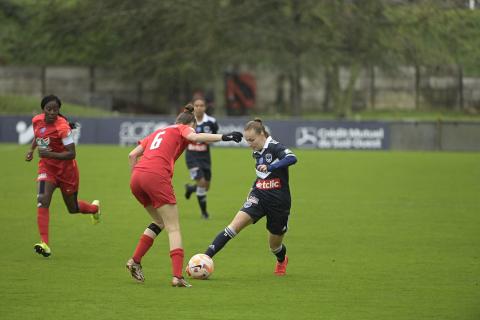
200	266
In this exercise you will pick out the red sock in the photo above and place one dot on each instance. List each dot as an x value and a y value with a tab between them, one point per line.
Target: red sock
142	247
43	216
85	207
177	262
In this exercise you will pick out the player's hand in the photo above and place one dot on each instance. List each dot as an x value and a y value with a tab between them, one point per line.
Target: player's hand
262	168
29	156
232	136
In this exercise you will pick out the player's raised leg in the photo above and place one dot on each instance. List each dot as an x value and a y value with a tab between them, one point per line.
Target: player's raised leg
144	244
240	221
80	206
44	197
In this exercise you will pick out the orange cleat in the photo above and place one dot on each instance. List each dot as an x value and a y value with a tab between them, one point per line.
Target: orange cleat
281	267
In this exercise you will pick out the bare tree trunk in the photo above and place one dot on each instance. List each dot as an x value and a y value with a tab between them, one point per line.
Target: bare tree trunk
44	80
372	87
417	86
280	94
91	75
460	87
296	86
344	107
296	92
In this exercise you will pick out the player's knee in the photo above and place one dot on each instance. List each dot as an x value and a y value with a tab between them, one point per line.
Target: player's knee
156	227
72	209
42	201
172	228
201	191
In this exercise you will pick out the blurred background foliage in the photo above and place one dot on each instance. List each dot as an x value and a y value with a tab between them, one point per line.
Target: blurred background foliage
183	43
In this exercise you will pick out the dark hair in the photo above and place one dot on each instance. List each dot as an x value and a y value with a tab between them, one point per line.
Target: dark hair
198	98
257	125
187	116
52	97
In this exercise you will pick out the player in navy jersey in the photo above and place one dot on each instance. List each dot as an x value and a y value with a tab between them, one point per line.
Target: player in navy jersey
198	157
269	195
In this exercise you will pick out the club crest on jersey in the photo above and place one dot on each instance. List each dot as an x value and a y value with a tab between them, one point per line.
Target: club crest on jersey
247	204
252	199
42	130
42	142
206	129
268	157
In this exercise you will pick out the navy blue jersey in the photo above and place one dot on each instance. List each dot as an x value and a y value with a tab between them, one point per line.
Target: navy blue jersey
201	150
272	186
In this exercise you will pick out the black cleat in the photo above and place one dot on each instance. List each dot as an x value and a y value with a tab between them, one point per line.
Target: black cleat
188	191
205	215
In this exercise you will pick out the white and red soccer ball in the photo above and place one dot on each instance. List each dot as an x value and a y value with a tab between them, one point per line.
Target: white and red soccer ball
200	266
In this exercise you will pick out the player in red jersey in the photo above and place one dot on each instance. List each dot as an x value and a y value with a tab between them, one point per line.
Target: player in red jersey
151	184
56	168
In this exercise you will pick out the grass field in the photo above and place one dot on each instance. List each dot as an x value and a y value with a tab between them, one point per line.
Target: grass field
26	105
373	235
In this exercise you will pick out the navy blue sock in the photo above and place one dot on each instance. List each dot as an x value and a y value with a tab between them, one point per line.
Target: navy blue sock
220	241
280	253
202	202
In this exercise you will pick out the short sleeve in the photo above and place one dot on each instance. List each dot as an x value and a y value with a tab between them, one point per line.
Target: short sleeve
215	127
143	142
68	139
185	130
63	128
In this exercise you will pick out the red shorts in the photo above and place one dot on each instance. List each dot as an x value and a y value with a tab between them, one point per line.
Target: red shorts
66	178
152	189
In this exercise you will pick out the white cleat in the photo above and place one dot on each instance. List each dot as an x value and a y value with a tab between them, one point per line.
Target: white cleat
135	270
96	217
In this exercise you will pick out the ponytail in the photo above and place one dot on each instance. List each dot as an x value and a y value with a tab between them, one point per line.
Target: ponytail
187	116
257	125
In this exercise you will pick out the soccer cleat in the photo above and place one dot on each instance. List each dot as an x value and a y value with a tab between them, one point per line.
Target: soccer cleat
188	191
205	215
43	249
135	270
281	267
180	282
96	217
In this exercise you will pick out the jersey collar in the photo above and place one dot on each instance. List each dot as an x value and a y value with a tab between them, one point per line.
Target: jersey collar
265	146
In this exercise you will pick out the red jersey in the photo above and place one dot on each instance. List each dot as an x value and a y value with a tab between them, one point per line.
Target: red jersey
52	136
162	148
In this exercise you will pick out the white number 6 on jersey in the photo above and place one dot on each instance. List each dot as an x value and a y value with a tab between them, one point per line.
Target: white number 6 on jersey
157	140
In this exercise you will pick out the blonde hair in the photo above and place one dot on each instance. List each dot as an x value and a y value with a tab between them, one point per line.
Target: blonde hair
257	125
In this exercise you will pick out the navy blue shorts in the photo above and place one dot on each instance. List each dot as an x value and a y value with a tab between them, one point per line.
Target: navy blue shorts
199	168
277	214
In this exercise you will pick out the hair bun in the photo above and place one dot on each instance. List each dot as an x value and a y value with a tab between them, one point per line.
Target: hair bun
188	108
258	120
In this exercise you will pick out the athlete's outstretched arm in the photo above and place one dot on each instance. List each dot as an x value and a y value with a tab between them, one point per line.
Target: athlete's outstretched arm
29	155
210	137
69	154
134	155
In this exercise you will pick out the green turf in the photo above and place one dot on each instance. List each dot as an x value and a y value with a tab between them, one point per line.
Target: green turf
373	235
20	105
